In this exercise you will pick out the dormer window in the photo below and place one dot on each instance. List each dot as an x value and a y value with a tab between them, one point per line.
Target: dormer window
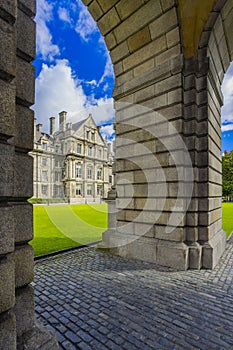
44	146
92	136
87	134
79	148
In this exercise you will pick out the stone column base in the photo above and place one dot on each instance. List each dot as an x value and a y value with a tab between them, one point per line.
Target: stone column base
213	250
177	255
38	338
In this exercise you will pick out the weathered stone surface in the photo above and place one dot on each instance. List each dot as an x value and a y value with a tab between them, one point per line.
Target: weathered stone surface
37	338
107	4
172	254
24	122
7	284
23	187
120	52
163	24
143	16
23	218
8	331
95	10
108	21
24	265
139	39
7	108
24	309
110	42
125	8
26	35
213	250
7	48
6	229
25	89
6	170
10	7
28	6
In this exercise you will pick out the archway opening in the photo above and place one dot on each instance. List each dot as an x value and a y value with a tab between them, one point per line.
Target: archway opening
73	148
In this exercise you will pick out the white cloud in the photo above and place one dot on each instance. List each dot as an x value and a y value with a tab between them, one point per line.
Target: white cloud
63	14
108	131
108	70
86	26
45	46
57	90
227	90
227	127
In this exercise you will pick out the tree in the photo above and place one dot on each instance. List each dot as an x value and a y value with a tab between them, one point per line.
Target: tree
227	174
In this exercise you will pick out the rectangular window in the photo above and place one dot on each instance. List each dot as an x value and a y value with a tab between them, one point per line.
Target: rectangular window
92	136
79	148
99	174
79	190
89	173
57	176
99	190
110	179
57	149
57	163
44	175
79	171
57	191
100	153
87	135
89	190
44	190
89	151
44	146
44	161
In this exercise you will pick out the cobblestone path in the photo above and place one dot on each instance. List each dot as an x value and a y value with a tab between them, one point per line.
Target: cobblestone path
93	300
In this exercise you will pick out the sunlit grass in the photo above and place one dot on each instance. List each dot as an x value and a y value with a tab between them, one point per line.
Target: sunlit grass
62	227
227	217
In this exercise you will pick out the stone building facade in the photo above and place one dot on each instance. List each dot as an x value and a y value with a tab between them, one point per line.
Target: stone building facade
169	56
73	163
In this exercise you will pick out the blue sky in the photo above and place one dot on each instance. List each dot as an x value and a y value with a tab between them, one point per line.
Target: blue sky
74	70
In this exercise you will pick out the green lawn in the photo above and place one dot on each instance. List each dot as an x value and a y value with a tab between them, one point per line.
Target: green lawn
227	217
66	226
61	227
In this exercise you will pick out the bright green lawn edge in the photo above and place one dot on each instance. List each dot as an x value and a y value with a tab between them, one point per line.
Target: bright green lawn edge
62	227
227	218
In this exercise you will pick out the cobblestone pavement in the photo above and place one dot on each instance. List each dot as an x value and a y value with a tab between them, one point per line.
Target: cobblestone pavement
93	300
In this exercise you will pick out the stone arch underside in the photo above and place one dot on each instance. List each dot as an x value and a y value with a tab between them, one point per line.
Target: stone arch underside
155	68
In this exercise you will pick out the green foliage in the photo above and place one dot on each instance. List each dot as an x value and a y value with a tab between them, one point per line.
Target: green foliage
227	175
61	227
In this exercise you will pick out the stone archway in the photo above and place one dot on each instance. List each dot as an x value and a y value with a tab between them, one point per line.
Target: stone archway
158	65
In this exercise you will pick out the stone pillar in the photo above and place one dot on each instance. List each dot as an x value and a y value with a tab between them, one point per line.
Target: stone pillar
109	234
17	46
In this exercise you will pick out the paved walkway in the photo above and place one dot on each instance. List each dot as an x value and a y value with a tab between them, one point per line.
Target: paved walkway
93	300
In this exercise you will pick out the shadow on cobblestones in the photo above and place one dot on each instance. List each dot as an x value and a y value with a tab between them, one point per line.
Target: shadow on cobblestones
93	300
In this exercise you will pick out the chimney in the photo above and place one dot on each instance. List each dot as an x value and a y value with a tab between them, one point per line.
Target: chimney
52	125
62	121
39	127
